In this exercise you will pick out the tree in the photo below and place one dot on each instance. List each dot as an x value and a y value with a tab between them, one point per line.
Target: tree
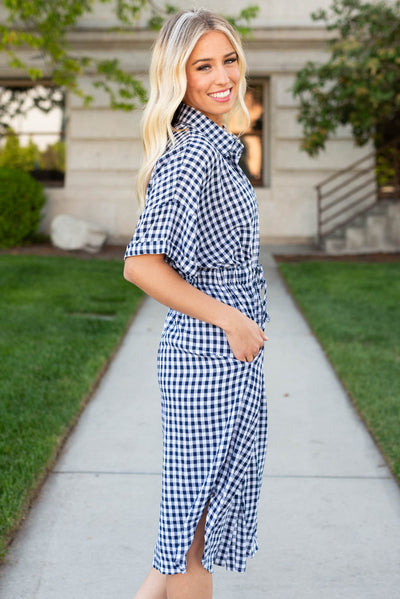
359	85
43	26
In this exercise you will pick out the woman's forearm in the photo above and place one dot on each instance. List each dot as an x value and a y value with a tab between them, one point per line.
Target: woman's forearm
159	280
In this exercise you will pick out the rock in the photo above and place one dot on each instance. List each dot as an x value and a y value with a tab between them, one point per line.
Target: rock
71	233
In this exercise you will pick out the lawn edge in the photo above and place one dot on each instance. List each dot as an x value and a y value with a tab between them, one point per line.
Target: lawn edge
34	493
350	396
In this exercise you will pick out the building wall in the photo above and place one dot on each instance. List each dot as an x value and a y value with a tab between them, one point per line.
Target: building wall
288	206
104	147
103	154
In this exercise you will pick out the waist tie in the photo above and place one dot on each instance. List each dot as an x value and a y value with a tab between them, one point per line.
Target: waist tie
249	274
263	291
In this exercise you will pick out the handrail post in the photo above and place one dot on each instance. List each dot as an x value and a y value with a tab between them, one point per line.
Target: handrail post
319	199
396	171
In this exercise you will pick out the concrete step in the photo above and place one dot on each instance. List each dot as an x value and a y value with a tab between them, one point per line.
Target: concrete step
339	233
355	238
394	224
380	208
335	245
376	231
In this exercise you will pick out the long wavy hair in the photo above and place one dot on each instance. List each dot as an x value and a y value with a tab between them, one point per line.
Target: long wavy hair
168	82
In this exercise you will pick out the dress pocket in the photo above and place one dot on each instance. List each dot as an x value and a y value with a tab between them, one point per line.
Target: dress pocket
201	338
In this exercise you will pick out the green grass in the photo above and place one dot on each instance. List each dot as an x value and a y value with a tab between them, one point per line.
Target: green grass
60	321
354	309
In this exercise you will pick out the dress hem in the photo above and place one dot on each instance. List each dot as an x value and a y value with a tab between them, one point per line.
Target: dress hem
221	563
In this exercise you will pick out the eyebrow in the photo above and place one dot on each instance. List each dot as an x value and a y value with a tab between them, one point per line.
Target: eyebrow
210	59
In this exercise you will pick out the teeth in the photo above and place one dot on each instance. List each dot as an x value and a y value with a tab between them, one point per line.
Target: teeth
221	94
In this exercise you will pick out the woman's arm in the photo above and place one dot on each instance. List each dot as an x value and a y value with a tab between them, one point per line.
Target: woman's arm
159	280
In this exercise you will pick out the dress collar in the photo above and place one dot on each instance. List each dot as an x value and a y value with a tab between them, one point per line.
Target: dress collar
227	144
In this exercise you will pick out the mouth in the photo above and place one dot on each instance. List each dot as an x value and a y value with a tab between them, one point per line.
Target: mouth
222	95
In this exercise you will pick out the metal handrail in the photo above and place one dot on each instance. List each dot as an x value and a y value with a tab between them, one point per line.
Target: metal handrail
347	169
352	191
348	207
359	173
343	186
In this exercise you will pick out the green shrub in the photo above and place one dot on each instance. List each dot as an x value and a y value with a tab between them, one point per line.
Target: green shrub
53	157
21	200
13	155
30	158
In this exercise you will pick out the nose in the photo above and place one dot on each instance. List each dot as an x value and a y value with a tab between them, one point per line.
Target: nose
222	76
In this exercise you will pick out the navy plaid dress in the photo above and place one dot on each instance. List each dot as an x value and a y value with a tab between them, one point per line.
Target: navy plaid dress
201	212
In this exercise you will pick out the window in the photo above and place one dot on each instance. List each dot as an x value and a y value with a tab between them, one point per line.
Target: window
32	128
253	158
387	138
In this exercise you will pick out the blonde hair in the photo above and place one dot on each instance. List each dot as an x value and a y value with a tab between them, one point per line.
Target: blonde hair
172	49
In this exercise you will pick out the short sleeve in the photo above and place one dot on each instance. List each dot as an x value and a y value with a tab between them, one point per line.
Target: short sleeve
168	224
169	228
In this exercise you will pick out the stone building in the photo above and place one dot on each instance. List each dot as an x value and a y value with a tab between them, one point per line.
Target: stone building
104	147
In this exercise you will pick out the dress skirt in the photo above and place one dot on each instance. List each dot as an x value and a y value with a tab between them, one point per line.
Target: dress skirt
214	422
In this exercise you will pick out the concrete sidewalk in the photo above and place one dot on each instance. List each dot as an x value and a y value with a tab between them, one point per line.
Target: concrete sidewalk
329	522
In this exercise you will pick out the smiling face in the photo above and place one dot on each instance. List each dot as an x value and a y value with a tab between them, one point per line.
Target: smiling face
213	75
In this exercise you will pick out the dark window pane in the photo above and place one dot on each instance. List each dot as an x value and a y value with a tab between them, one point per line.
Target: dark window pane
252	158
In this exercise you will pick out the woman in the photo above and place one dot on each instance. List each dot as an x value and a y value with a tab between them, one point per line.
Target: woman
195	249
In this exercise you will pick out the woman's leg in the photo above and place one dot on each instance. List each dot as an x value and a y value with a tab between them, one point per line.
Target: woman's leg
153	587
197	582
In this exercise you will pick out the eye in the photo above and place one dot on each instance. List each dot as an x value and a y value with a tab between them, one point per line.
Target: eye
231	60
203	67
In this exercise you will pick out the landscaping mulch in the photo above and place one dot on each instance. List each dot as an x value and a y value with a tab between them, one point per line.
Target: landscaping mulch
111	252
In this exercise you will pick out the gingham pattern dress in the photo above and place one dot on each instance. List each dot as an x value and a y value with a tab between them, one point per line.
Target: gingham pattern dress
201	212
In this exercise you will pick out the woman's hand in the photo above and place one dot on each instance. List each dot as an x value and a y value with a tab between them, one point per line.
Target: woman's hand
244	336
